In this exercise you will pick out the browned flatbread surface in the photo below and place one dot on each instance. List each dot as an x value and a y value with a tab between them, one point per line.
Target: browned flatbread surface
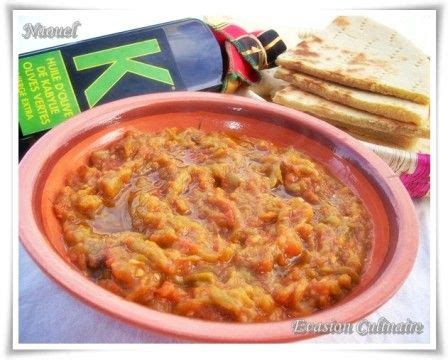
345	116
378	137
379	104
361	53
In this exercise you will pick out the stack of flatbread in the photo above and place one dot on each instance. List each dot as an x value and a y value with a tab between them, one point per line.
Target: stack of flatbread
361	77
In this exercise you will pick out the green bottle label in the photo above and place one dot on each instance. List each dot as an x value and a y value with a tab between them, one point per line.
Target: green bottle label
46	96
121	60
56	84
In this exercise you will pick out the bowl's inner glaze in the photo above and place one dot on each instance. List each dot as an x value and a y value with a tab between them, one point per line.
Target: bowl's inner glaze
283	132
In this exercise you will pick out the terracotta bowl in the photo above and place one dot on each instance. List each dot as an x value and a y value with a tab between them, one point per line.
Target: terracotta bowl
47	164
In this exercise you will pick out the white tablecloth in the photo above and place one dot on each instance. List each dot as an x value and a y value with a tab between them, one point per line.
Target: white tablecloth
48	314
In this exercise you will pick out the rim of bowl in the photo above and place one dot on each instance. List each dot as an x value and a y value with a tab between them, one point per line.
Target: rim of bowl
379	292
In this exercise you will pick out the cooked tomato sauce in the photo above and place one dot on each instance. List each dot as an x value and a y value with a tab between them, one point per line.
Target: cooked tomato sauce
214	226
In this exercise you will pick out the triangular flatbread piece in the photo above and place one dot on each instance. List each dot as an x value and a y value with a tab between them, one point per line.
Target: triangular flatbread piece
379	104
361	53
345	116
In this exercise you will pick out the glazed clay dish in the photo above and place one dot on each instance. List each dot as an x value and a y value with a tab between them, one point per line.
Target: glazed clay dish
215	218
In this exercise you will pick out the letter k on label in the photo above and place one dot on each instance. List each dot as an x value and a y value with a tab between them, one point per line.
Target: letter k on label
121	61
